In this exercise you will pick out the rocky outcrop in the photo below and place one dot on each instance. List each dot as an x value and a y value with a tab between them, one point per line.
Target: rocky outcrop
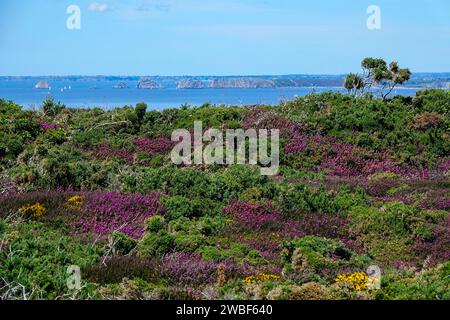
192	84
146	83
42	84
121	85
242	83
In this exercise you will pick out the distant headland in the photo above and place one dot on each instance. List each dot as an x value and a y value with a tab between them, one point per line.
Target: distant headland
418	80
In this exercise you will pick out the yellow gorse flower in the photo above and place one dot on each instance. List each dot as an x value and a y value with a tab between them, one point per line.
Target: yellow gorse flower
260	278
36	210
75	202
358	281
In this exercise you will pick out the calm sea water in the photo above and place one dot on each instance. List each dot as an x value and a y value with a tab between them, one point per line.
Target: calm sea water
88	94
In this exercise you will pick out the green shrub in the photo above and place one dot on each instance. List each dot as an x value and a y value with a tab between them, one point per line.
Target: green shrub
123	244
431	284
188	242
155	224
179	206
312	254
156	244
40	260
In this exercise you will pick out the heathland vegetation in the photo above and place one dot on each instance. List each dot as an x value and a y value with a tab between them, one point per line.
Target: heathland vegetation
363	186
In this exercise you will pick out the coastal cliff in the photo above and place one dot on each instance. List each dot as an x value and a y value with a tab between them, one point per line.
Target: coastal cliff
146	83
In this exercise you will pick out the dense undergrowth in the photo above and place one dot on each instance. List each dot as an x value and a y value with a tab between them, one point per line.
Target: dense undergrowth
363	182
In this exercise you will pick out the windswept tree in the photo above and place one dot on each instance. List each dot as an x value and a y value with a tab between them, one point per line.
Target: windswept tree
393	77
354	83
376	72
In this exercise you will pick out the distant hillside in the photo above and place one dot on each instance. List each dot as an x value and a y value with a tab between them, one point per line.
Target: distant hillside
422	80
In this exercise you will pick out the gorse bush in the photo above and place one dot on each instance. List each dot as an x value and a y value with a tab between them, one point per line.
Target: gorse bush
38	257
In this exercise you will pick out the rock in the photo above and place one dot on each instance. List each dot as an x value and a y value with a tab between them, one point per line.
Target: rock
146	83
121	85
191	84
242	83
42	84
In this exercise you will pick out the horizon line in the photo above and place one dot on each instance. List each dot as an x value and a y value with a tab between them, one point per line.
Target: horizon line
201	75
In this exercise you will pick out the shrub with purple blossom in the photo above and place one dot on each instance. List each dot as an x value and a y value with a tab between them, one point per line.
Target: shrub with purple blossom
153	146
47	126
189	268
251	216
437	249
105	152
112	211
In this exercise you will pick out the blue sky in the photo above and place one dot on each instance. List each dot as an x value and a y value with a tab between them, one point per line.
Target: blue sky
219	37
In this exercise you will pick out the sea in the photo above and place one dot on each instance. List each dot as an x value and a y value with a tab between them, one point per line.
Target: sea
89	94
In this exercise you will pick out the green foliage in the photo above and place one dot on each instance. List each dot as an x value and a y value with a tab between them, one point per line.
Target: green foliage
353	83
429	284
156	244
219	186
312	254
164	122
89	138
301	198
17	129
38	257
123	244
52	108
378	72
411	132
375	124
179	206
385	232
235	251
155	224
140	110
56	136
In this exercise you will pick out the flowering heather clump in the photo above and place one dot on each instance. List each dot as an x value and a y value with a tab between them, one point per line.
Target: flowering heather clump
317	144
119	267
46	126
260	118
268	246
436	200
402	265
343	161
297	145
438	249
444	166
36	211
430	200
8	188
189	268
112	211
427	120
380	166
153	146
316	224
105	152
252	216
416	173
